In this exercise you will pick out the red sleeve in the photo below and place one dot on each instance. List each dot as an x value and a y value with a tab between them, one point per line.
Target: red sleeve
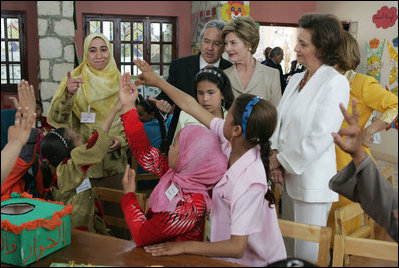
185	223
150	158
14	181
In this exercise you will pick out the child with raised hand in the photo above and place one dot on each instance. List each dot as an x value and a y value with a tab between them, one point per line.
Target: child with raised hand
180	201
244	225
155	126
18	136
23	175
66	168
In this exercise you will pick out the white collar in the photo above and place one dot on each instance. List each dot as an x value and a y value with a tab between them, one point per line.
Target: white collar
203	63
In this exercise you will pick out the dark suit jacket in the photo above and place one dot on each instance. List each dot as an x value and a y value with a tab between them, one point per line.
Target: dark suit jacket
182	72
274	65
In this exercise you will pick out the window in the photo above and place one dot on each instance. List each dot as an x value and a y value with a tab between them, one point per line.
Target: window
13	54
278	36
150	38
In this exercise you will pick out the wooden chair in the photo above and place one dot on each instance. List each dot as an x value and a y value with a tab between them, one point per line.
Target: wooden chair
312	233
277	194
387	172
350	211
347	213
378	249
114	196
145	177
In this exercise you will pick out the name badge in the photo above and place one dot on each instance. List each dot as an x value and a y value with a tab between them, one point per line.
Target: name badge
171	192
87	117
86	185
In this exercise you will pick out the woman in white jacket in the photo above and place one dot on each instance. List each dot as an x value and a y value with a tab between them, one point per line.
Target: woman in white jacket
307	114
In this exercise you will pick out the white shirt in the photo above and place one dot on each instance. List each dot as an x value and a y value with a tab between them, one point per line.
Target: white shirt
203	63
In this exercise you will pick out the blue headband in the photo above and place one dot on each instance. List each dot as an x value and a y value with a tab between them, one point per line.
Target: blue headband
248	109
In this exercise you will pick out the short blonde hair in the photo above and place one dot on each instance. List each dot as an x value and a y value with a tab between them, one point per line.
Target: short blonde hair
350	53
246	29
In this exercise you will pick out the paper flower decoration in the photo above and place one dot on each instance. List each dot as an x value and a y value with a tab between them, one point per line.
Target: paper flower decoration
374	43
374	60
385	17
393	59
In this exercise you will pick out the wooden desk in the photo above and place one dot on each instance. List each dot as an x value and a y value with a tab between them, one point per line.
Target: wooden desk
107	250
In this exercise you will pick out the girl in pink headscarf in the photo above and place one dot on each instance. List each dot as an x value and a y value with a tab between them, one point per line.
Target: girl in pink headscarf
180	201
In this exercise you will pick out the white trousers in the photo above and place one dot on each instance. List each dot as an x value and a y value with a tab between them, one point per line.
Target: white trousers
310	213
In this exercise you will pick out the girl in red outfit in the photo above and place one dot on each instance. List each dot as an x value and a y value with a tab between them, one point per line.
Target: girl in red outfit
180	201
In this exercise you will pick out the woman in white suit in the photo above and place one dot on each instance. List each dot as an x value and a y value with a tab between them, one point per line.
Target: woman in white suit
307	114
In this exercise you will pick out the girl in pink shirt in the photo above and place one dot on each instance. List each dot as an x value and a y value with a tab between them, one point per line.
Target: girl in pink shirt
244	225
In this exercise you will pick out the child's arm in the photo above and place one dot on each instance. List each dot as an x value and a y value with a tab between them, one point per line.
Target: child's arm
147	156
232	248
106	124
18	135
186	102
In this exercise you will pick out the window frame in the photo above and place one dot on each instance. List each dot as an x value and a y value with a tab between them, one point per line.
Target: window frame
146	20
21	16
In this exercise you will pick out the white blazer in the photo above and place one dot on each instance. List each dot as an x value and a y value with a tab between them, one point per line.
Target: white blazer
304	141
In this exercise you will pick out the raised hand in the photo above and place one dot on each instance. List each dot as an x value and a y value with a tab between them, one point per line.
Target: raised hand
73	84
148	76
20	131
354	134
128	93
129	180
26	98
162	105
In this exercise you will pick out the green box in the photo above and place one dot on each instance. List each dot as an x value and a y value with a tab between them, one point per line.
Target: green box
32	228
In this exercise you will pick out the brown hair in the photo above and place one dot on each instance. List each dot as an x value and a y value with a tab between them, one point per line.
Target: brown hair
326	33
260	127
349	53
246	29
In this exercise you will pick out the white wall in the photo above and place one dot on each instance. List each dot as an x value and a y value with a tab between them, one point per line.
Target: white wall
362	12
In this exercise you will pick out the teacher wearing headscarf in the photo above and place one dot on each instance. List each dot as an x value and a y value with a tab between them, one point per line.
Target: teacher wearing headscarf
84	98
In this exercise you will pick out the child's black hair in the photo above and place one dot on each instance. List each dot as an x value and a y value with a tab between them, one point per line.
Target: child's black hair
220	79
260	127
55	147
150	108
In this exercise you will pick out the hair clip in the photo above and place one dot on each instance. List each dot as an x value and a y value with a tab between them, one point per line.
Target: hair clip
59	136
211	71
248	109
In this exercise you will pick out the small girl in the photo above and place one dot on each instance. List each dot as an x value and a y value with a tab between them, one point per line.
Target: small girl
244	226
155	126
66	171
180	201
212	90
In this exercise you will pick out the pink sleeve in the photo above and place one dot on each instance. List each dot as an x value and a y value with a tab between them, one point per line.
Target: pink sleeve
216	127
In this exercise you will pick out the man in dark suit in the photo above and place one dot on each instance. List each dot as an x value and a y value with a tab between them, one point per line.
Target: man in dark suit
276	56
182	71
295	68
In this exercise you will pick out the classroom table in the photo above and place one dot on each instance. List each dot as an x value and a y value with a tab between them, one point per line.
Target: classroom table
99	249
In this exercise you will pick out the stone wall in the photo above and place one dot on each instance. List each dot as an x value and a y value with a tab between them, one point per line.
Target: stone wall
56	46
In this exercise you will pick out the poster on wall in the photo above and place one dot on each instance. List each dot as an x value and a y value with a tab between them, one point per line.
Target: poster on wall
198	23
374	57
144	90
233	9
